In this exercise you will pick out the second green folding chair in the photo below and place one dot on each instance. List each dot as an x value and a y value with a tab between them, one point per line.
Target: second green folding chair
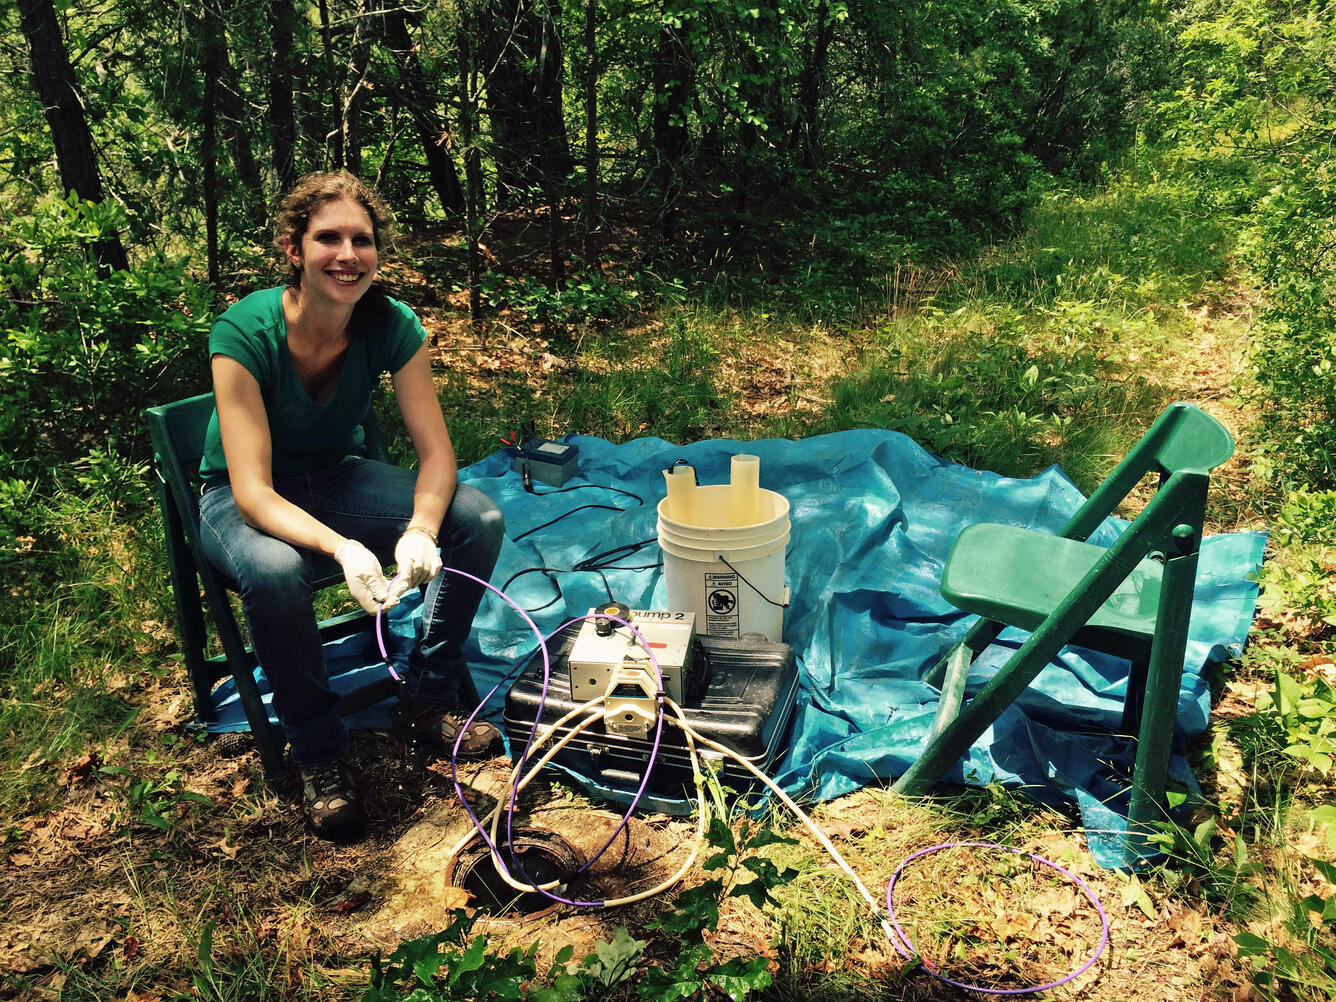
1132	599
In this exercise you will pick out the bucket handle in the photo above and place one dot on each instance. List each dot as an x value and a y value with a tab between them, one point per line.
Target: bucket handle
724	561
683	461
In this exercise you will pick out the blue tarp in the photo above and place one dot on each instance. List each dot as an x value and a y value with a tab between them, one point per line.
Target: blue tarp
873	516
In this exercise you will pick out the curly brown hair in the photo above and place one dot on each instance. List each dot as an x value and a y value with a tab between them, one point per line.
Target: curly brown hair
315	190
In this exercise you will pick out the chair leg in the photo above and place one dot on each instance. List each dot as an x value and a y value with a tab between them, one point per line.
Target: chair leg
1135	700
976	640
952	688
954	739
1160	713
266	740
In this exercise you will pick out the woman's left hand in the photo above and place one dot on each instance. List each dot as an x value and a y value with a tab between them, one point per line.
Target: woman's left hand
418	558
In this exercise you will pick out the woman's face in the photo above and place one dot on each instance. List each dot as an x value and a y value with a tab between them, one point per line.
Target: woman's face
337	257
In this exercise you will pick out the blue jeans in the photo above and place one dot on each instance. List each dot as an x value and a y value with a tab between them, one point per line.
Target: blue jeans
370	502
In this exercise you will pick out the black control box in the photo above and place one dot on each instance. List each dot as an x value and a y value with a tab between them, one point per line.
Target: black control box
547	461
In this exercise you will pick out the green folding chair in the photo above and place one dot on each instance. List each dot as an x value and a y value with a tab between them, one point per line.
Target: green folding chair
177	431
1132	600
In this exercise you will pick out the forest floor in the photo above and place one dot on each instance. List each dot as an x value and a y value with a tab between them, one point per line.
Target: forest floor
106	887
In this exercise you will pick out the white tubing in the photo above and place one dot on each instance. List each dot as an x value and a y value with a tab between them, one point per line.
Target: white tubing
787	801
745	491
692	738
594	710
680	482
702	809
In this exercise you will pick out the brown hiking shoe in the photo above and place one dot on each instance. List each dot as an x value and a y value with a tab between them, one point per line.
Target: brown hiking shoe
435	729
333	807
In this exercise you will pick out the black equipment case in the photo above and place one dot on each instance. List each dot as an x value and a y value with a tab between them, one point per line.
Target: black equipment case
749	688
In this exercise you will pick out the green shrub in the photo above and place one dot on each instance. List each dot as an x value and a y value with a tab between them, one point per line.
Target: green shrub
82	352
1297	578
1253	119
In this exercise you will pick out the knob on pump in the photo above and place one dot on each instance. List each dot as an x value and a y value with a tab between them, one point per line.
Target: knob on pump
604	626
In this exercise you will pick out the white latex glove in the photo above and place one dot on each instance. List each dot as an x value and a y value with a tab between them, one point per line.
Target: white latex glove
365	579
419	561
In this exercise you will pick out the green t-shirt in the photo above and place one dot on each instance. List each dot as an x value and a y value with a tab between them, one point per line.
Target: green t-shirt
306	435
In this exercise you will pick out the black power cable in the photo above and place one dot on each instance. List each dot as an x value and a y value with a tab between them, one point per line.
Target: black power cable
597	564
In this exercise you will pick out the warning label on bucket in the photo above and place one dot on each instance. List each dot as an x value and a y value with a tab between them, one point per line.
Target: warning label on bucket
721	601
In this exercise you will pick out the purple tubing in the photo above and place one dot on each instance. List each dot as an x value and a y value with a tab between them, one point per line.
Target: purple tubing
909	952
644	781
385	654
514	793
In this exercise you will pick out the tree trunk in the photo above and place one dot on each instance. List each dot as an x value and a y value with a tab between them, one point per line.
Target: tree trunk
213	43
369	26
282	113
524	97
233	123
552	139
804	134
673	81
591	211
421	105
556	264
468	116
334	133
54	78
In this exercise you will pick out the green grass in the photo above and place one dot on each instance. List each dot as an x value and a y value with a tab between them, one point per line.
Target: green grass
88	608
987	390
1138	242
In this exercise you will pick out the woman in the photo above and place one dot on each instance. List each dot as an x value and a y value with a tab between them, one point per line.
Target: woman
293	373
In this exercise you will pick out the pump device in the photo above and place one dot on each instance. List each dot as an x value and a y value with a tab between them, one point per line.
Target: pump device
608	658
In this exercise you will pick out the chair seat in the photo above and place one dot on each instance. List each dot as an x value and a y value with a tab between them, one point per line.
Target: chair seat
1019	576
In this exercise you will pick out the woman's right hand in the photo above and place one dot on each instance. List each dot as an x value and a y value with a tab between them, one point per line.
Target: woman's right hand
365	578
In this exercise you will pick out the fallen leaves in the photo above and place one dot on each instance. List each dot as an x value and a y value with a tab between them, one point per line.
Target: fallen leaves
842	829
81	830
225	847
349	903
170	714
79	770
995	919
1186	925
77	929
1320	666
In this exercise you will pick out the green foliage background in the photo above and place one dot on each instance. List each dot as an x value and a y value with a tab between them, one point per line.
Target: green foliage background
875	132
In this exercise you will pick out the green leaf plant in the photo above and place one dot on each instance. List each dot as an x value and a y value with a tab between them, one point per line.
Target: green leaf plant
454	964
1299	953
741	874
1305	710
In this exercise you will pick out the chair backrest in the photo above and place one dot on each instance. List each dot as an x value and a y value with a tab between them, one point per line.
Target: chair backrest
1184	439
178	431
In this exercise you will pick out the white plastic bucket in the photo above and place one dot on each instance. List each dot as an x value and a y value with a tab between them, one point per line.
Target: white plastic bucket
731	577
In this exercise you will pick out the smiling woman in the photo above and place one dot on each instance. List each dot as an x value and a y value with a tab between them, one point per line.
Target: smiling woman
286	482
335	259
334	262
